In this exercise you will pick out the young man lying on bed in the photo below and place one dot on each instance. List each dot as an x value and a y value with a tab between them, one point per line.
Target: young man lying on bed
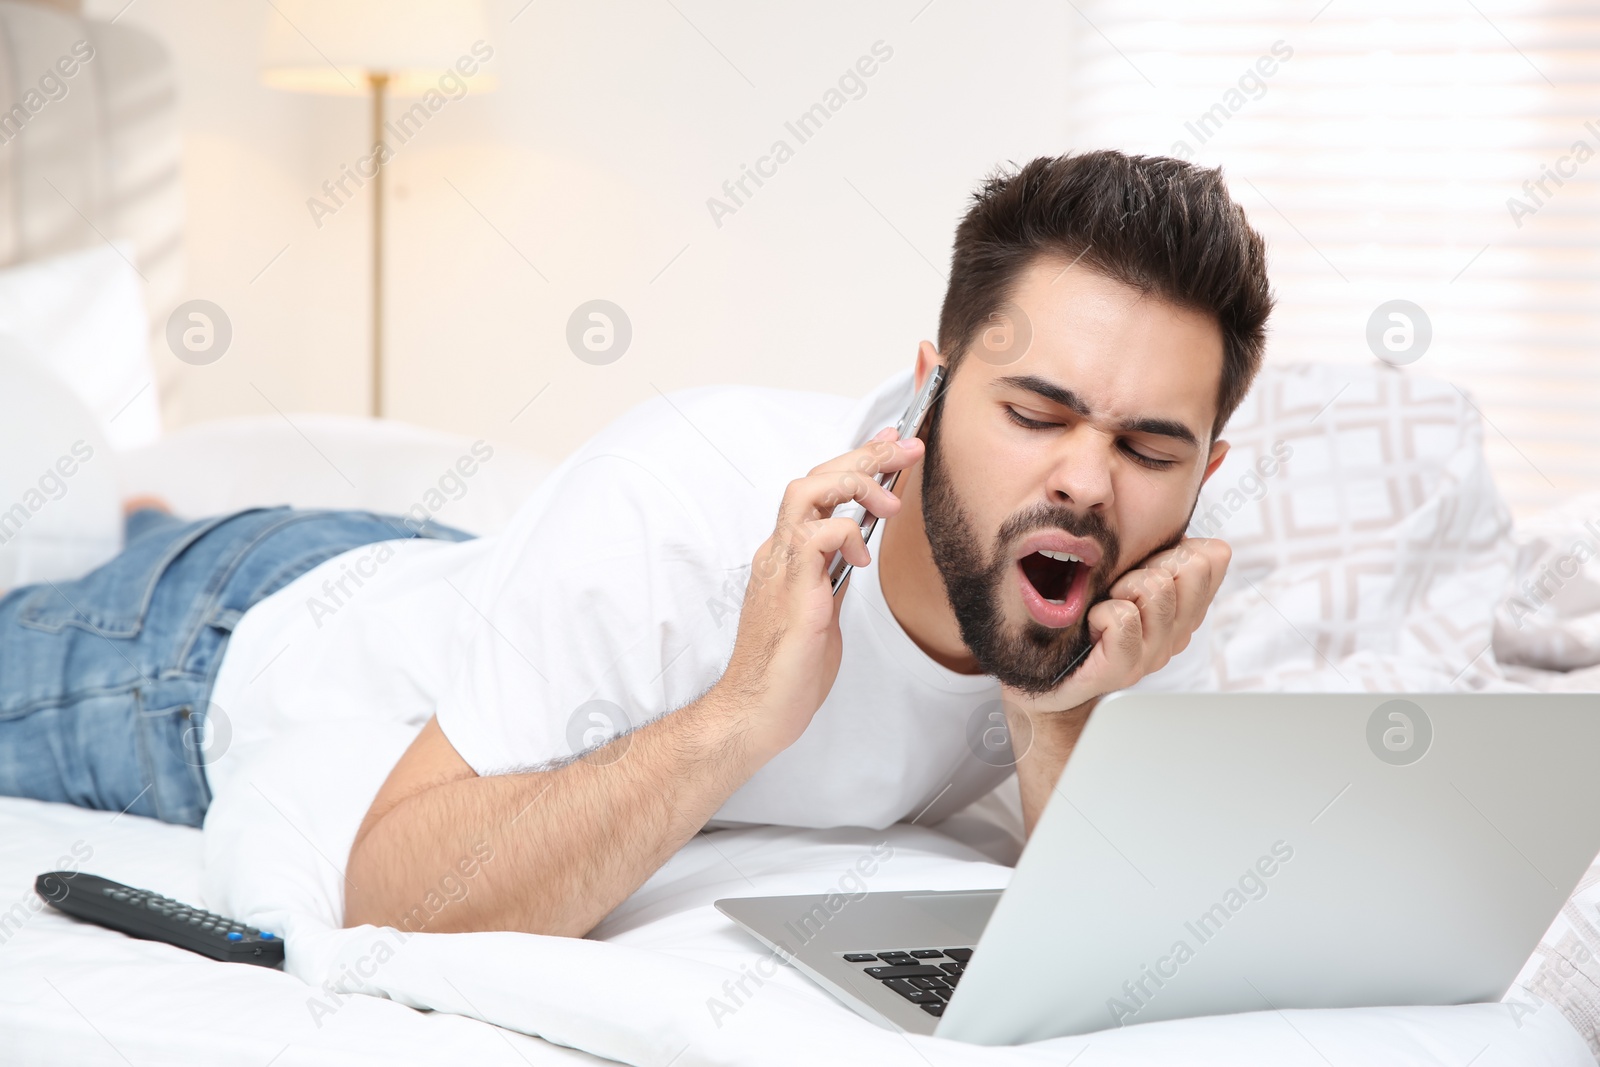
1105	315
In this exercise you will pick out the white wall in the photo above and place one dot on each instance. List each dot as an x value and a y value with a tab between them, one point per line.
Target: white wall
612	123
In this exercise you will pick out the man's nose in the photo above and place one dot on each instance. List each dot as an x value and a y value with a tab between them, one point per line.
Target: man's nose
1080	472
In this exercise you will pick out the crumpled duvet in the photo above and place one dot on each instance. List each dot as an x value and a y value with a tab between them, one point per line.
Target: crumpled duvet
1550	618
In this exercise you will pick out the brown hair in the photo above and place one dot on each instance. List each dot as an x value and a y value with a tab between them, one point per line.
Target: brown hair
1156	224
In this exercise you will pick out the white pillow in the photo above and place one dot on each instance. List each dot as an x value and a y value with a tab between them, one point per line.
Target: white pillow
82	317
60	508
334	461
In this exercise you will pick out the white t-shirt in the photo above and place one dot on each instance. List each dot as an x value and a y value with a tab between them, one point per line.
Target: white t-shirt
615	594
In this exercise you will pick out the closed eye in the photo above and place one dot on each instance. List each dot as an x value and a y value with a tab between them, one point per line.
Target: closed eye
1027	423
1127	448
1143	460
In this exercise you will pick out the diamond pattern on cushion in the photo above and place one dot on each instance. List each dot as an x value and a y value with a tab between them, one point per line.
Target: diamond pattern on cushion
1370	543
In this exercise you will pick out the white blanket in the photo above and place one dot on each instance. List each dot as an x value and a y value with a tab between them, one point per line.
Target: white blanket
1551	618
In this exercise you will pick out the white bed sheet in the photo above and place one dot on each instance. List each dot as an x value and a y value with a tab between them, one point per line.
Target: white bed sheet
643	992
73	993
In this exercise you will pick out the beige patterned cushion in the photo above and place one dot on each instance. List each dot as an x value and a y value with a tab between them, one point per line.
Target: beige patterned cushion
1565	968
1370	544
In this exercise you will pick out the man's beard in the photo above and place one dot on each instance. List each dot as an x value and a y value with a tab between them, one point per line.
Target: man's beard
1038	658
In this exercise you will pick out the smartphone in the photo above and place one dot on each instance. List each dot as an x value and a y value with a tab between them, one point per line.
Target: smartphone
910	423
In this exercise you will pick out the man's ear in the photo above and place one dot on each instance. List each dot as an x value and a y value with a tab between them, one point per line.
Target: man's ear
1219	452
928	357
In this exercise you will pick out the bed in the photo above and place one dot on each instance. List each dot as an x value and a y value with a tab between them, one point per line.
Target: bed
1371	552
655	990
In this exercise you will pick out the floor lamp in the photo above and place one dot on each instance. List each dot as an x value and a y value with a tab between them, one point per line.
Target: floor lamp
380	48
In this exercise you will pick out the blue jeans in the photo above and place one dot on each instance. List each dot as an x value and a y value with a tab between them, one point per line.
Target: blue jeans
105	681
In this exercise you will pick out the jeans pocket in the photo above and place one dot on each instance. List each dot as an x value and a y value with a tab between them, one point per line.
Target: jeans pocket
174	742
113	599
121	751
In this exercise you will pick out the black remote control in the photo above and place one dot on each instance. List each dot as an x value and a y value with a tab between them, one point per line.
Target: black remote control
153	917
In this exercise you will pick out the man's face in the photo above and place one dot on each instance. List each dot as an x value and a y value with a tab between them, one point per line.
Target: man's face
1052	473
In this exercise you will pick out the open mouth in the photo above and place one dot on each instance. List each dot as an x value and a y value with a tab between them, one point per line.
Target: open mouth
1055	586
1051	573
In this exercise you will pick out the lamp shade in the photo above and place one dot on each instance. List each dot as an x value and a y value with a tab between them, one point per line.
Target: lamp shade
331	46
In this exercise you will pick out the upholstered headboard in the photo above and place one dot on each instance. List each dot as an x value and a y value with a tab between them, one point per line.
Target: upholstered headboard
92	155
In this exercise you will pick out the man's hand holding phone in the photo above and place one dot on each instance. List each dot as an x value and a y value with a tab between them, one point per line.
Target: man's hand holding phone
787	652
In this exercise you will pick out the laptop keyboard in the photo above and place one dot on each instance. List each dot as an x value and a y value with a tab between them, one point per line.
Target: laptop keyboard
924	976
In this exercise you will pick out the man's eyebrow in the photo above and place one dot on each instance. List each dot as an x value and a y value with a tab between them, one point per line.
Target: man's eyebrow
1044	387
1160	428
1060	394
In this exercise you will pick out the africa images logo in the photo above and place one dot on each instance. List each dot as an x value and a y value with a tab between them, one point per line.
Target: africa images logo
1399	732
1251	886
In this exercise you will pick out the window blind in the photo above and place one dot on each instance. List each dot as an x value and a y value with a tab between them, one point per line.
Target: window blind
1445	153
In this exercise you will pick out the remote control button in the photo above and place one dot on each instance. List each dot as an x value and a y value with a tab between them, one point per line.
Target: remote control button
234	935
267	935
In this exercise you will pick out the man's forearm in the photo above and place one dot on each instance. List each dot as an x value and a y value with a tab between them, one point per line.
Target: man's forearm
1047	739
555	850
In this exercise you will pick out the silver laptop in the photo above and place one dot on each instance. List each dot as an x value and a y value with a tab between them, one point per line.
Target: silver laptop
1228	853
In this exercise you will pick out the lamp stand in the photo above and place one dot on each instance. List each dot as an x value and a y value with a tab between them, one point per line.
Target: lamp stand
380	84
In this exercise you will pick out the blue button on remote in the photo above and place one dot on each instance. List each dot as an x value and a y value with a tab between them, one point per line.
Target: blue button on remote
234	935
266	936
